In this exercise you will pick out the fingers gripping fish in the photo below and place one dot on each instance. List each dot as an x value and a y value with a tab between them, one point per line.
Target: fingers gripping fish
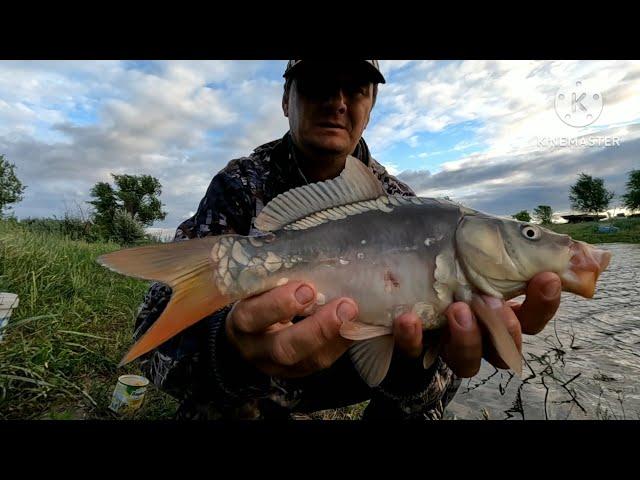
390	254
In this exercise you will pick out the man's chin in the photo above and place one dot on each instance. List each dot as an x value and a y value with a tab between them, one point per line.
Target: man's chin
326	147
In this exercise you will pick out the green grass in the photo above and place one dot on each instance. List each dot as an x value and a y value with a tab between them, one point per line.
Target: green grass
588	232
73	324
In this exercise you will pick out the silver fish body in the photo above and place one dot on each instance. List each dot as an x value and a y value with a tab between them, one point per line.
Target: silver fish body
389	261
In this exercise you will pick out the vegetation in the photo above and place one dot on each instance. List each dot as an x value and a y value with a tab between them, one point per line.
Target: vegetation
522	216
73	324
631	199
544	214
629	230
11	188
589	195
120	213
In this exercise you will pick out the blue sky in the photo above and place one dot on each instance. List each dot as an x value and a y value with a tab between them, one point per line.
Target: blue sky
471	130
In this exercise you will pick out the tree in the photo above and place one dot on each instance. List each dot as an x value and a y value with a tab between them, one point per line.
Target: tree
631	199
135	195
105	205
589	195
11	189
522	216
543	213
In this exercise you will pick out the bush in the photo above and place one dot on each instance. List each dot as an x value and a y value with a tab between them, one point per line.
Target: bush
522	216
126	230
79	229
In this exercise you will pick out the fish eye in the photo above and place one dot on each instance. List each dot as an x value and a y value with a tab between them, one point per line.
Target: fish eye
530	232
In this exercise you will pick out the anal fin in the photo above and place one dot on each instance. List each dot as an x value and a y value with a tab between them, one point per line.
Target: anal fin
500	336
372	358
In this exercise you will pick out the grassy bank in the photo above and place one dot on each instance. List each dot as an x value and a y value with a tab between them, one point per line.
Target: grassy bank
629	231
73	324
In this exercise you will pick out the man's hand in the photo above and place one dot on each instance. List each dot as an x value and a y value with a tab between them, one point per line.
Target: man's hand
466	342
260	328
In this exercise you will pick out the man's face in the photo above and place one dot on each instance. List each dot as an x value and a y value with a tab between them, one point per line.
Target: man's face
328	111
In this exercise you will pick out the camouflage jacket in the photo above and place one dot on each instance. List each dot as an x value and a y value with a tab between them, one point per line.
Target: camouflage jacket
211	380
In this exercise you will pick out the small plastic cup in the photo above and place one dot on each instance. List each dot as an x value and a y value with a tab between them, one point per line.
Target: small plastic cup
128	395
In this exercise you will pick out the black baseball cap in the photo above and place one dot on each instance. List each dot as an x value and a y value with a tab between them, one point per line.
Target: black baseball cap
371	66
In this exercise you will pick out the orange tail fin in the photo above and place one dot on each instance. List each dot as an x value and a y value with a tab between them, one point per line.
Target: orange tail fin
187	267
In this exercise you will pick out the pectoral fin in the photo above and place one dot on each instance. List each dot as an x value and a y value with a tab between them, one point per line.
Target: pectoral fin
500	336
361	331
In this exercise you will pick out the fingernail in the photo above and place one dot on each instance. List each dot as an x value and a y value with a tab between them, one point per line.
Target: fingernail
492	302
463	318
406	328
551	289
346	312
304	294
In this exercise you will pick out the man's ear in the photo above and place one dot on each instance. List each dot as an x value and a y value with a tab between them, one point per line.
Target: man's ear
285	105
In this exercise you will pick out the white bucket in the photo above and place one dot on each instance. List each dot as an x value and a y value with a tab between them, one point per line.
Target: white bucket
8	301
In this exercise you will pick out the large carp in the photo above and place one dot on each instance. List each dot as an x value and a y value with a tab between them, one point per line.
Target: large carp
390	254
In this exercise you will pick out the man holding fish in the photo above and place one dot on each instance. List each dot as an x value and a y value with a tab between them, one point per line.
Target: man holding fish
282	350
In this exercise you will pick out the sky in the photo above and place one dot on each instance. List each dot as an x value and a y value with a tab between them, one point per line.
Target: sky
489	134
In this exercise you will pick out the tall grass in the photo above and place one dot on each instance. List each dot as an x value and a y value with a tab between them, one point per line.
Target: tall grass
73	324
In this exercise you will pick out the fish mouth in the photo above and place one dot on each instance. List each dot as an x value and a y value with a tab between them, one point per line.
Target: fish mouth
585	266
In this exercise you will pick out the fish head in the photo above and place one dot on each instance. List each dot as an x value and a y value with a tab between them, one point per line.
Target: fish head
501	255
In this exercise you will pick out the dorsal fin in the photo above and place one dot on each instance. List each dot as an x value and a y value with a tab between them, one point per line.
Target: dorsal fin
356	183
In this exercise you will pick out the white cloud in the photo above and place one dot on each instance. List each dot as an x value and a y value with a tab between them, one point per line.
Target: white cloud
74	123
392	168
512	101
504	185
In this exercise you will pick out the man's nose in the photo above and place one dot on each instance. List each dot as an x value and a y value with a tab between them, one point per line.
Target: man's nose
337	99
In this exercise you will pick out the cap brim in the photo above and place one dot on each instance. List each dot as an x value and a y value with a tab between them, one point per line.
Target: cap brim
377	76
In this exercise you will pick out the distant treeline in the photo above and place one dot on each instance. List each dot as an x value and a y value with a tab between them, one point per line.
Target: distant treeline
589	195
119	214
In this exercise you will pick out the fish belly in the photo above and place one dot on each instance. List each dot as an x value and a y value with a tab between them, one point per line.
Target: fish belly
384	287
